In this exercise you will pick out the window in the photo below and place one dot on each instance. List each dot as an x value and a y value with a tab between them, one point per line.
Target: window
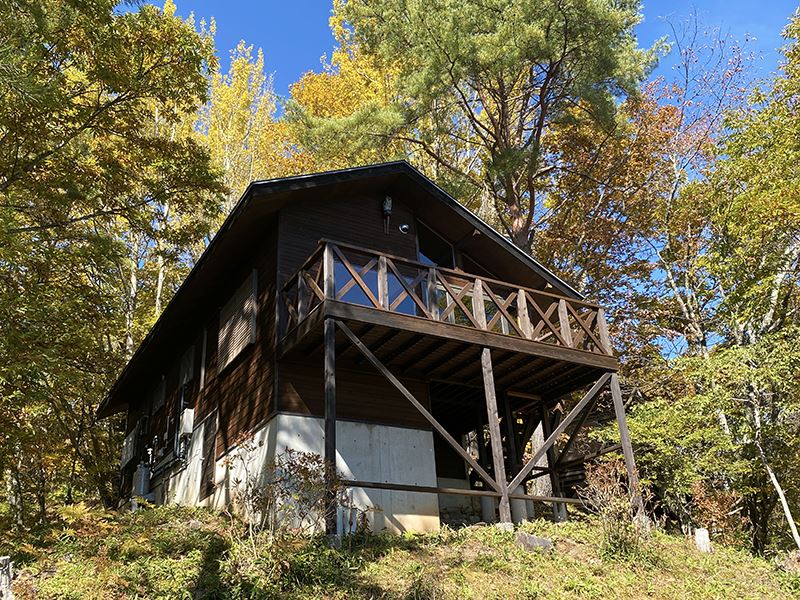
433	248
186	373
159	395
237	322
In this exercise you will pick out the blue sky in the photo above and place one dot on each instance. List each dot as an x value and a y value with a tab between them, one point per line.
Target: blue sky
294	34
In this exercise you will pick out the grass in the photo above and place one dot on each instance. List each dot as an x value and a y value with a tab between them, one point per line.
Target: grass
176	552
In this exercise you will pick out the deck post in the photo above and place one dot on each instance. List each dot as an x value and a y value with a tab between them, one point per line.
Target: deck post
493	419
627	447
519	508
494	435
487	502
559	509
330	425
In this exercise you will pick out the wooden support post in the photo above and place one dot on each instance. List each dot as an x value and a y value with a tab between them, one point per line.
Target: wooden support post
433	299
602	328
493	419
627	447
330	425
522	312
494	435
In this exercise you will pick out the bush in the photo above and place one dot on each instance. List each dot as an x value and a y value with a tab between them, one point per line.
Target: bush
608	495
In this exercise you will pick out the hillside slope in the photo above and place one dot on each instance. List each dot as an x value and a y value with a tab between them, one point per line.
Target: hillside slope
190	553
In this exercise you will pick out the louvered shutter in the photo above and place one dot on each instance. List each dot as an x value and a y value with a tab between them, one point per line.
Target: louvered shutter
238	322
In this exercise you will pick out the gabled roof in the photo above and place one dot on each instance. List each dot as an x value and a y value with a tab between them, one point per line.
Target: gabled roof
262	199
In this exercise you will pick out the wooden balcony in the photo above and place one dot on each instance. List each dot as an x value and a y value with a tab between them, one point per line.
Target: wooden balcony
432	322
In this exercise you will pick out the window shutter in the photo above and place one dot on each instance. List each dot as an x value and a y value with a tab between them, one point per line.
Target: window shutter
238	322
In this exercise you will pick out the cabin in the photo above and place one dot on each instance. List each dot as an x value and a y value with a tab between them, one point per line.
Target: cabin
367	316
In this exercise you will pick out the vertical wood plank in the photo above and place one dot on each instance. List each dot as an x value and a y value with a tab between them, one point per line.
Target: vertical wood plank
433	296
522	313
563	319
478	306
494	433
330	425
383	283
302	297
602	328
329	281
627	447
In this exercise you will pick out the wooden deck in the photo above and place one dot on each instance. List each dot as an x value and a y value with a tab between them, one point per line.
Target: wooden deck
433	323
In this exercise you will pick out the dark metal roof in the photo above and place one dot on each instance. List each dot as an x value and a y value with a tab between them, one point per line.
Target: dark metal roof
263	198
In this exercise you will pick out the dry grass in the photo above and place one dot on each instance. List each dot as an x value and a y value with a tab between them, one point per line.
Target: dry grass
183	553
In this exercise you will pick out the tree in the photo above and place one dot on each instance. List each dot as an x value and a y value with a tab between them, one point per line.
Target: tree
478	87
728	251
239	127
98	177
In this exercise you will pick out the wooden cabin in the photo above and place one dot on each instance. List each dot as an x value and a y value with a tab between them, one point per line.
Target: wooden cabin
366	315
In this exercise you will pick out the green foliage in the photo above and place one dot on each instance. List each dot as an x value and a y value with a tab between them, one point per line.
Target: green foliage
103	194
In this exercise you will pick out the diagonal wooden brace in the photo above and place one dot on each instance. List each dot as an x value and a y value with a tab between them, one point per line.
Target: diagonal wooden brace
410	397
590	395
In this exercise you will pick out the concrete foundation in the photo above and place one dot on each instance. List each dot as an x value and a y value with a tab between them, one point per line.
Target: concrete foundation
365	452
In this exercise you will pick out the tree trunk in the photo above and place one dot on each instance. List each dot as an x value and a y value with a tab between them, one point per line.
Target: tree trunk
772	477
160	262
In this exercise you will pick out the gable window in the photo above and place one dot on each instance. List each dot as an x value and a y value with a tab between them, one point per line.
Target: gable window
237	322
433	248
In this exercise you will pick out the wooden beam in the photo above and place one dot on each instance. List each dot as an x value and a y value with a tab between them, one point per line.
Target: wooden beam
403	347
382	341
410	397
558	430
627	447
426	489
417	356
330	425
447	331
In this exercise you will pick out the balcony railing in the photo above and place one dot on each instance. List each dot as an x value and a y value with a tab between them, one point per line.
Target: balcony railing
353	275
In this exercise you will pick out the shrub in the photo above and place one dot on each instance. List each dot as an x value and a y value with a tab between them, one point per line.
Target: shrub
608	495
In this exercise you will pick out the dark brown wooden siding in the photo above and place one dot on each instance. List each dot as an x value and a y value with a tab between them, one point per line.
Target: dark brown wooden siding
357	220
360	395
242	391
